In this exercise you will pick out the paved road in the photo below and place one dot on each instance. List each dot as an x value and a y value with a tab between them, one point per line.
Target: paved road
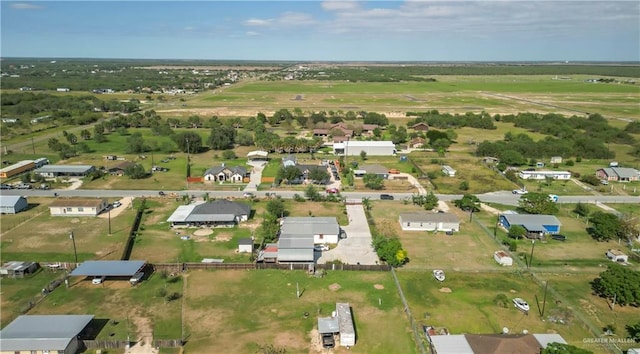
501	197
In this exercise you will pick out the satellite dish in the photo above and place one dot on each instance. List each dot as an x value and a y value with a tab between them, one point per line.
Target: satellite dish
505	330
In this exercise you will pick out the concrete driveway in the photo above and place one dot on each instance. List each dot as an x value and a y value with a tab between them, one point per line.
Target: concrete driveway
356	248
256	175
414	182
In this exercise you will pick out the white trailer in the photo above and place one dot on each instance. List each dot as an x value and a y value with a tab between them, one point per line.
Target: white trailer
347	331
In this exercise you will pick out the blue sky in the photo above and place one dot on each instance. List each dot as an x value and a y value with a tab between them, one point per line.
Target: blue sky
324	30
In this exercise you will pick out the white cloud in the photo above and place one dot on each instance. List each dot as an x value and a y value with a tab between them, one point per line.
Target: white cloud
258	22
252	33
340	5
25	6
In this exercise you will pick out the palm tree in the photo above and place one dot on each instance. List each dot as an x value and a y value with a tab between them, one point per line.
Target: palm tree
366	202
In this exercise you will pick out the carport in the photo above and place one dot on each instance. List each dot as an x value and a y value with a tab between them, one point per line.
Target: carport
108	268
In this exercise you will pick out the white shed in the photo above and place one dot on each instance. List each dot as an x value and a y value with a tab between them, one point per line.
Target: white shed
245	245
503	258
617	256
345	320
448	170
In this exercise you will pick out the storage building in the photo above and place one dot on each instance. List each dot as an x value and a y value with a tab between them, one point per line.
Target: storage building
12	204
345	320
371	148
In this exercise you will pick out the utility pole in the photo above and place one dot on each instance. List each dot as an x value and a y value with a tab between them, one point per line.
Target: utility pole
533	245
110	221
188	167
75	252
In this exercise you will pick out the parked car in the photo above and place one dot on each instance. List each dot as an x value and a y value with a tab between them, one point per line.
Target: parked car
248	195
161	193
449	233
386	197
559	237
116	204
320	248
333	190
519	191
136	278
98	280
5	186
328	341
23	186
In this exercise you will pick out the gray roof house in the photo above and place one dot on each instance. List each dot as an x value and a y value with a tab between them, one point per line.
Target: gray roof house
234	174
215	213
620	174
375	169
425	221
44	333
536	225
12	204
299	234
492	343
65	170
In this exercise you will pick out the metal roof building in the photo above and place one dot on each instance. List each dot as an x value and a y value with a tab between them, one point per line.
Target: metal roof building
43	333
371	148
12	204
108	268
211	213
532	222
65	170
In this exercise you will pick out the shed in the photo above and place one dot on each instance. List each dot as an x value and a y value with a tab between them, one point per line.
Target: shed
16	269
617	256
12	204
503	258
44	333
245	245
345	320
328	325
448	170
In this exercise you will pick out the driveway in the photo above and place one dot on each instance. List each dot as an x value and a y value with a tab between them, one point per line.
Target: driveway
356	248
414	182
256	175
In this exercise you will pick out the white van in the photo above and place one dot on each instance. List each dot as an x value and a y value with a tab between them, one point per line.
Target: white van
136	278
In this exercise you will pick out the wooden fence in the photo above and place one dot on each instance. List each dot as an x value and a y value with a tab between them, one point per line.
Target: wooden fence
178	267
167	343
104	344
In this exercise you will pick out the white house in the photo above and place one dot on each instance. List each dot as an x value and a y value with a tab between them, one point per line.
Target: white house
425	221
323	229
371	148
541	175
503	258
10	204
617	256
448	170
233	174
77	207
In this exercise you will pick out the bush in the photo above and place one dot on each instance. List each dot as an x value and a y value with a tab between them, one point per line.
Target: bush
569	163
501	300
298	198
513	245
173	296
175	279
590	179
229	155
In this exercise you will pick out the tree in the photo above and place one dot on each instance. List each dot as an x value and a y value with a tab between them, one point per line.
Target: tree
512	157
561	348
629	227
469	202
189	142
431	201
373	181
619	282
537	203
318	175
312	193
634	331
590	179
276	207
604	227
582	209
221	138
54	144
135	171
244	138
390	250
363	155
366	202
288	173
135	144
85	134
517	232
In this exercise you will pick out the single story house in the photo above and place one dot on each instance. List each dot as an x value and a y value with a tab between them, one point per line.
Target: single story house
542	175
425	221
420	126
502	258
12	204
118	170
298	235
289	160
257	155
556	159
492	343
371	148
367	129
417	142
245	245
448	171
535	225
617	256
77	206
375	169
44	334
210	214
15	269
620	174
51	171
234	174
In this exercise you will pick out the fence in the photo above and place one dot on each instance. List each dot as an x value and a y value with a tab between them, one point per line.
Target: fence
416	334
104	344
167	343
176	267
586	323
126	253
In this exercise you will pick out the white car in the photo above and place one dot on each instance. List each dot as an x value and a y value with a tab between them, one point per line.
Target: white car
520	304
519	191
98	280
116	204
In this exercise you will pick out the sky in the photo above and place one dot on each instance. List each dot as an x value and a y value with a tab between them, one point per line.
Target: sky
334	30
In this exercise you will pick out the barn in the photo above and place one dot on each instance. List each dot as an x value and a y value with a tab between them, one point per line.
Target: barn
44	334
10	204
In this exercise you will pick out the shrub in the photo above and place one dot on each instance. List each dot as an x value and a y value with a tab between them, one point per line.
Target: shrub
298	198
173	296
162	292
513	245
569	163
501	300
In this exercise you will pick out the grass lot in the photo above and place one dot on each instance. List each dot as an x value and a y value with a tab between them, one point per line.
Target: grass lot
16	293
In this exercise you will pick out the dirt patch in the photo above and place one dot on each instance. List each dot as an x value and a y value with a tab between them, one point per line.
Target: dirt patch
334	287
223	236
443	206
445	290
379	286
126	203
202	232
489	209
316	343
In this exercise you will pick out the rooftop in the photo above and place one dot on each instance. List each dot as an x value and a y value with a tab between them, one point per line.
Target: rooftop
108	268
429	217
42	332
64	168
76	202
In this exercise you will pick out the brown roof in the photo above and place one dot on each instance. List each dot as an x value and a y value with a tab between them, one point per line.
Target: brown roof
369	126
76	202
420	126
321	131
122	166
503	344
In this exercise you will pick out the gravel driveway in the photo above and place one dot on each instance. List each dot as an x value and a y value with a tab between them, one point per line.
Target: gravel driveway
356	248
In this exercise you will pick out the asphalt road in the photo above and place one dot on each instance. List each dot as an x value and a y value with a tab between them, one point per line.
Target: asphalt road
501	197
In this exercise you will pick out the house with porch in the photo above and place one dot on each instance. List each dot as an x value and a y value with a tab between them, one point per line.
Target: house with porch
222	173
537	226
